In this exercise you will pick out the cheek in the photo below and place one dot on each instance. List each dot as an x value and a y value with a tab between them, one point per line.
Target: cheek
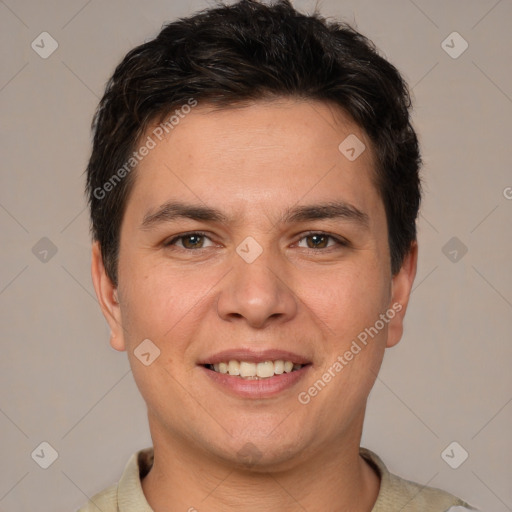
163	304
347	299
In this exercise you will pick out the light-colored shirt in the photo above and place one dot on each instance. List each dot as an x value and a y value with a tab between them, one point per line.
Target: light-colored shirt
395	494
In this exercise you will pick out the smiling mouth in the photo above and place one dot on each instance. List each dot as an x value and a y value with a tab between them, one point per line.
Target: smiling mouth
255	371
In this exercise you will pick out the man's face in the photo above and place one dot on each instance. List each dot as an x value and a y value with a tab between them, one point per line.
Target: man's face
258	283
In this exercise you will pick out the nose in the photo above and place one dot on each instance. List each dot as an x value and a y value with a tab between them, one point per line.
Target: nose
257	293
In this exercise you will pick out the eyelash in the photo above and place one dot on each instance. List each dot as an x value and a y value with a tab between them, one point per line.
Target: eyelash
339	241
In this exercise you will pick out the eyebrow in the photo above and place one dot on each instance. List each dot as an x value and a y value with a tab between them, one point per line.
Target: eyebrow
330	210
173	210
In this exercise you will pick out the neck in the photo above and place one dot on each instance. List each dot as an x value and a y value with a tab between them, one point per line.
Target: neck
334	478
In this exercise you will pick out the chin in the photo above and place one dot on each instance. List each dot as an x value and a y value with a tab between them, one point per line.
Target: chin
261	454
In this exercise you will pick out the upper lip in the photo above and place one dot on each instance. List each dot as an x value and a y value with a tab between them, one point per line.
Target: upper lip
254	356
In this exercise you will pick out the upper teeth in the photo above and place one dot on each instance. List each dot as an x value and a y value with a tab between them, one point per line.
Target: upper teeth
264	369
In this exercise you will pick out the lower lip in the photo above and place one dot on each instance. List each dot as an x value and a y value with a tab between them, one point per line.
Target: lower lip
262	388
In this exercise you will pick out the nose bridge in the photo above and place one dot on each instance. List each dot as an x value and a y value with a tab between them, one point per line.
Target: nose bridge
256	290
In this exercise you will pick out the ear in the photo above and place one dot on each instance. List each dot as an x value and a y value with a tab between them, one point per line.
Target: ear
401	286
107	297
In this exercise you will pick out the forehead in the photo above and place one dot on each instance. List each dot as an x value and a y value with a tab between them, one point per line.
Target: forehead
267	153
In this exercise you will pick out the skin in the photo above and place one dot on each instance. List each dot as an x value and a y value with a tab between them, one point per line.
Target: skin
253	163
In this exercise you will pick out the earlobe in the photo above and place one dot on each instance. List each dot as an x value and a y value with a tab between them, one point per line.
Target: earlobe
116	343
401	287
107	295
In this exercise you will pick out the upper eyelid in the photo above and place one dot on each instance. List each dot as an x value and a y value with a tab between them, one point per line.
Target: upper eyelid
340	240
184	235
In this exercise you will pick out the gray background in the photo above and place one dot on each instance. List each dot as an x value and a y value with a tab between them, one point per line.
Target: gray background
448	380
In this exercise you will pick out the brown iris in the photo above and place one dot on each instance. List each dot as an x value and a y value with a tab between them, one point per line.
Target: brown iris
194	237
317	238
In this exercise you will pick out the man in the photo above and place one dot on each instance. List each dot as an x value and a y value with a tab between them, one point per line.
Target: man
254	190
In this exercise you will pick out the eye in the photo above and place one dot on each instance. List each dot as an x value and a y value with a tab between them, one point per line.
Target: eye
320	240
193	240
